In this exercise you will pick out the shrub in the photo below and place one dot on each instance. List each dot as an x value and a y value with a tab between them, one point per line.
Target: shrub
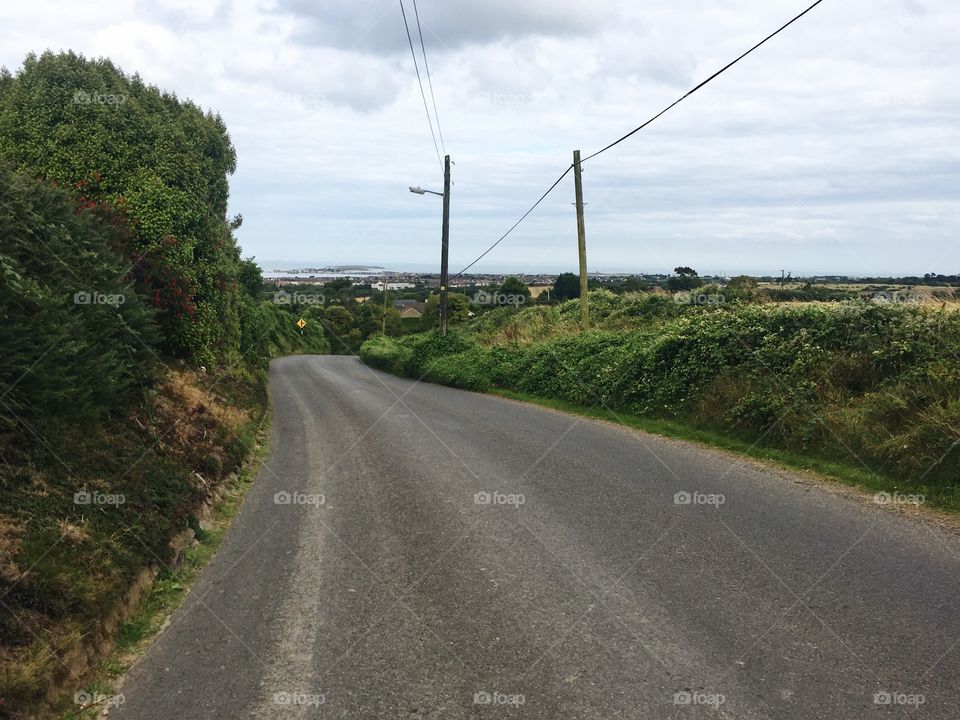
855	381
77	340
160	162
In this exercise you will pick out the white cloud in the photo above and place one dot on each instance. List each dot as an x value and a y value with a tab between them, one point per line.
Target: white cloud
833	148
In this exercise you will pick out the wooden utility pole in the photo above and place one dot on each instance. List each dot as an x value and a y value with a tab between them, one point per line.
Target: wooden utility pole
384	328
581	242
445	249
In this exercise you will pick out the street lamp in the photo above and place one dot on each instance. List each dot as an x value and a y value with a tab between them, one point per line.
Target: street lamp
421	191
445	247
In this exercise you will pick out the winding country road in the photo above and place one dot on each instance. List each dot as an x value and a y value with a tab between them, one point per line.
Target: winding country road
410	550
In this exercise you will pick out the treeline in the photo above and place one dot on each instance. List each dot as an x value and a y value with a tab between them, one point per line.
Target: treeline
932	279
351	314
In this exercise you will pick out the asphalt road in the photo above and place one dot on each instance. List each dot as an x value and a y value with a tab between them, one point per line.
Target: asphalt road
452	555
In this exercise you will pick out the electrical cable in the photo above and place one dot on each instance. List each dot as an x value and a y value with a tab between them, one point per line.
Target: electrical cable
712	77
420	82
522	218
638	129
426	65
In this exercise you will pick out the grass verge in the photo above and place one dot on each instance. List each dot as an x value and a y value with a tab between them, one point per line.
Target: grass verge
167	592
830	469
866	393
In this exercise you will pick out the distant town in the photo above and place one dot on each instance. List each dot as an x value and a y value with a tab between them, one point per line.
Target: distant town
401	280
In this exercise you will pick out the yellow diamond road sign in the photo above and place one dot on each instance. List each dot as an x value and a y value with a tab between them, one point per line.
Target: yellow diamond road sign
301	323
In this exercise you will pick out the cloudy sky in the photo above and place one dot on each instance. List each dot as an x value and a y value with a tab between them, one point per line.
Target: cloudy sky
835	148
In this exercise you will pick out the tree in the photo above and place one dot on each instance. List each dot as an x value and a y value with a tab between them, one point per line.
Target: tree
338	320
566	287
458	310
370	319
634	284
339	289
742	287
686	279
341	329
159	162
515	286
251	278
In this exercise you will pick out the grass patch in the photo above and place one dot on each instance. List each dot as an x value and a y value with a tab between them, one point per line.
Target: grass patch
67	566
848	474
170	586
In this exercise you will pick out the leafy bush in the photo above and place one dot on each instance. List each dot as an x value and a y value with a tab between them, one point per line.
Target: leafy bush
160	162
853	381
115	253
268	330
78	341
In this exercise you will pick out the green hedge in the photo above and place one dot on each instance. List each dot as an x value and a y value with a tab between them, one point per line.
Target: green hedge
159	162
78	341
853	381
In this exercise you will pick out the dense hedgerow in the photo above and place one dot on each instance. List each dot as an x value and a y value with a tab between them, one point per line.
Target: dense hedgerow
78	341
120	279
855	381
160	162
89	406
113	188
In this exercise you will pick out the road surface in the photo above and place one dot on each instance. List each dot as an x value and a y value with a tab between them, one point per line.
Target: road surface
415	551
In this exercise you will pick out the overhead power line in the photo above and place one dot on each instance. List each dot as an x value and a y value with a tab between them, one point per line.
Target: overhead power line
426	66
416	67
640	127
522	218
712	77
